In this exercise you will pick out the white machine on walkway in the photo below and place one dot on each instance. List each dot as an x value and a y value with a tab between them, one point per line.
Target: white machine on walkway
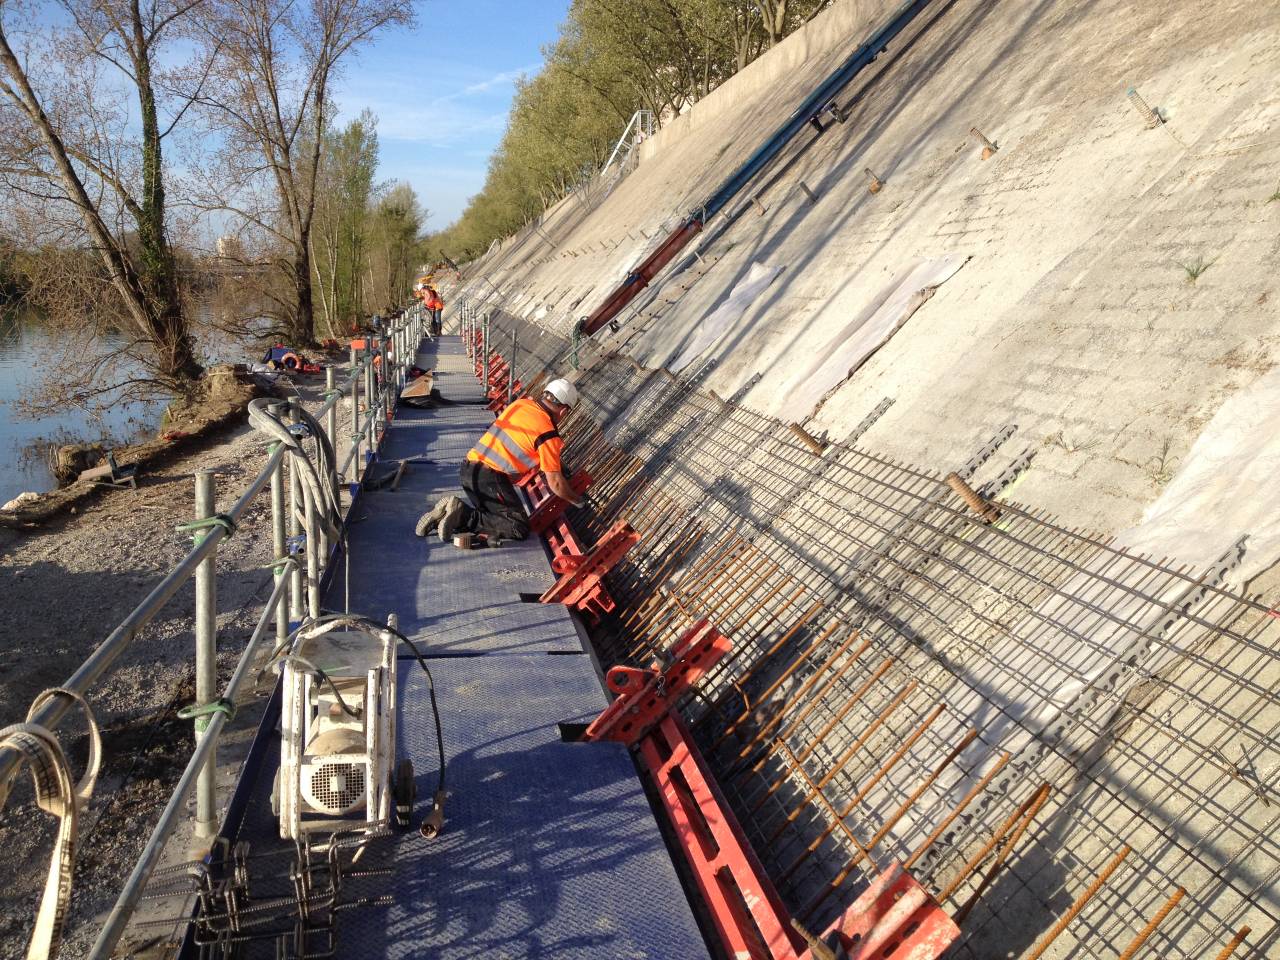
338	766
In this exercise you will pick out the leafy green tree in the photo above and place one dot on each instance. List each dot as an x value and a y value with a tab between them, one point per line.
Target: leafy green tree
275	62
612	57
394	228
344	191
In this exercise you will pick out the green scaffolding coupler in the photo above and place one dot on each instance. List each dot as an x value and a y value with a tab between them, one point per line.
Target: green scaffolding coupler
201	712
217	520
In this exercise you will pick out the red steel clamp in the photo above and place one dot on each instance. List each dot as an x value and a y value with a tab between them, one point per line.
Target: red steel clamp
581	584
895	916
547	507
646	696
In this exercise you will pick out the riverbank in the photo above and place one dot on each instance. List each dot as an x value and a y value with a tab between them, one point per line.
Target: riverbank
227	394
66	583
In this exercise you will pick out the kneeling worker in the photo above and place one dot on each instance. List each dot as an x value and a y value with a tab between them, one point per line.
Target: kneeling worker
522	438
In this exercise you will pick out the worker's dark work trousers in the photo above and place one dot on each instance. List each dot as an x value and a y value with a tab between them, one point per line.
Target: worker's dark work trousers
436	323
497	511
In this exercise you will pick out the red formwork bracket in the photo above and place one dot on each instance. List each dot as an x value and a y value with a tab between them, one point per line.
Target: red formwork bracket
581	583
646	696
547	508
563	540
747	912
497	366
498	395
894	918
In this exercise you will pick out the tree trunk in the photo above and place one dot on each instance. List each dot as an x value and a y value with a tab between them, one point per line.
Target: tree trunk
156	315
302	323
159	271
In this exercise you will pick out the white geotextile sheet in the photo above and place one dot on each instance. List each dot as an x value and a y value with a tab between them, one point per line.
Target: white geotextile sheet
713	327
1227	486
1077	638
837	359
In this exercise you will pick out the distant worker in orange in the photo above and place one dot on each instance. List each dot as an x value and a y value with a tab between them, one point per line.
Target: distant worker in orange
522	438
435	304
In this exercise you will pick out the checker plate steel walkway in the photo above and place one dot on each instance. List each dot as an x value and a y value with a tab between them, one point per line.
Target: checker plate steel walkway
549	849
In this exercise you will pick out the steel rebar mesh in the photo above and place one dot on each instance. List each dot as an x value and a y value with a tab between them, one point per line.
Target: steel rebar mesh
1129	685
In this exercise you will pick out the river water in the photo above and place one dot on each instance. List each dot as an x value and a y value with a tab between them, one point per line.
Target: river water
25	345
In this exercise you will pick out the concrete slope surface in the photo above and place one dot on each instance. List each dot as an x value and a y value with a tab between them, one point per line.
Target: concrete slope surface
1078	307
997	265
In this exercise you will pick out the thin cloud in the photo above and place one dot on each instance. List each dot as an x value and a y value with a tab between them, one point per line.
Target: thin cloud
498	79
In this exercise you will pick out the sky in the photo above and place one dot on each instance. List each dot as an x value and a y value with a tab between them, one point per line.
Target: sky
441	92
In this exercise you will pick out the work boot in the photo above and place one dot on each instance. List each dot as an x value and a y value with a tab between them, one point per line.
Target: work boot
427	522
451	521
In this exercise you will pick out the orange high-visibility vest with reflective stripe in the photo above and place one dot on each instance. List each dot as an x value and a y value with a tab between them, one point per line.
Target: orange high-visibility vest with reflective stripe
522	438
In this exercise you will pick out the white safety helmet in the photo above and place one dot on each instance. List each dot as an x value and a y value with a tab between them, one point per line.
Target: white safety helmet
564	391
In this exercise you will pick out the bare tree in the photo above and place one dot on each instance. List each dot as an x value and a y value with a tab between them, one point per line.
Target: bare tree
85	176
276	63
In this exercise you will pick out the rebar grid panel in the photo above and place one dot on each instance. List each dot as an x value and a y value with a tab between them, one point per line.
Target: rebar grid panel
1139	581
537	348
1101	673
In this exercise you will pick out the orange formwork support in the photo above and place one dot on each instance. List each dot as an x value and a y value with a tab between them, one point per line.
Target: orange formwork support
895	917
646	696
581	583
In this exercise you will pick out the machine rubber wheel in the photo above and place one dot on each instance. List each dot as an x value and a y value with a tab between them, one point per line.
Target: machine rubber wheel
404	791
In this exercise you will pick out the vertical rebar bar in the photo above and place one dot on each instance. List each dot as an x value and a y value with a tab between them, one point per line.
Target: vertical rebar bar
1016	823
889	823
1080	903
206	629
1003	854
958	809
1233	943
1150	117
1145	933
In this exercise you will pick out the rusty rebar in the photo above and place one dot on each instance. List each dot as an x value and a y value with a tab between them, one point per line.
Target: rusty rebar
1015	825
844	758
657	599
850	703
972	499
1145	933
1080	903
866	788
803	657
890	822
1233	944
958	809
817	675
822	798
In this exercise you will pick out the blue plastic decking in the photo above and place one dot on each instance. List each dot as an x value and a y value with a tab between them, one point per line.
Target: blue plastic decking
549	849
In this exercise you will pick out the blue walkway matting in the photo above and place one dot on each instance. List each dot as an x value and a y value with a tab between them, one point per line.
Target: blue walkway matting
549	849
449	601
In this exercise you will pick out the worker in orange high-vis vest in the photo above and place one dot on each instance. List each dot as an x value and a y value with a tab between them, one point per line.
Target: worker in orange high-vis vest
434	304
522	438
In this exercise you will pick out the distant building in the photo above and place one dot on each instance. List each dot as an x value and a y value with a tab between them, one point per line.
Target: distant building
229	248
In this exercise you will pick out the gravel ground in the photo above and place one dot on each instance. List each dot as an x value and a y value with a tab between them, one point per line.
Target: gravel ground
64	587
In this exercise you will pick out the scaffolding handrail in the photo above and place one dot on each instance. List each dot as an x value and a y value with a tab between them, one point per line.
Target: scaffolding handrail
381	387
